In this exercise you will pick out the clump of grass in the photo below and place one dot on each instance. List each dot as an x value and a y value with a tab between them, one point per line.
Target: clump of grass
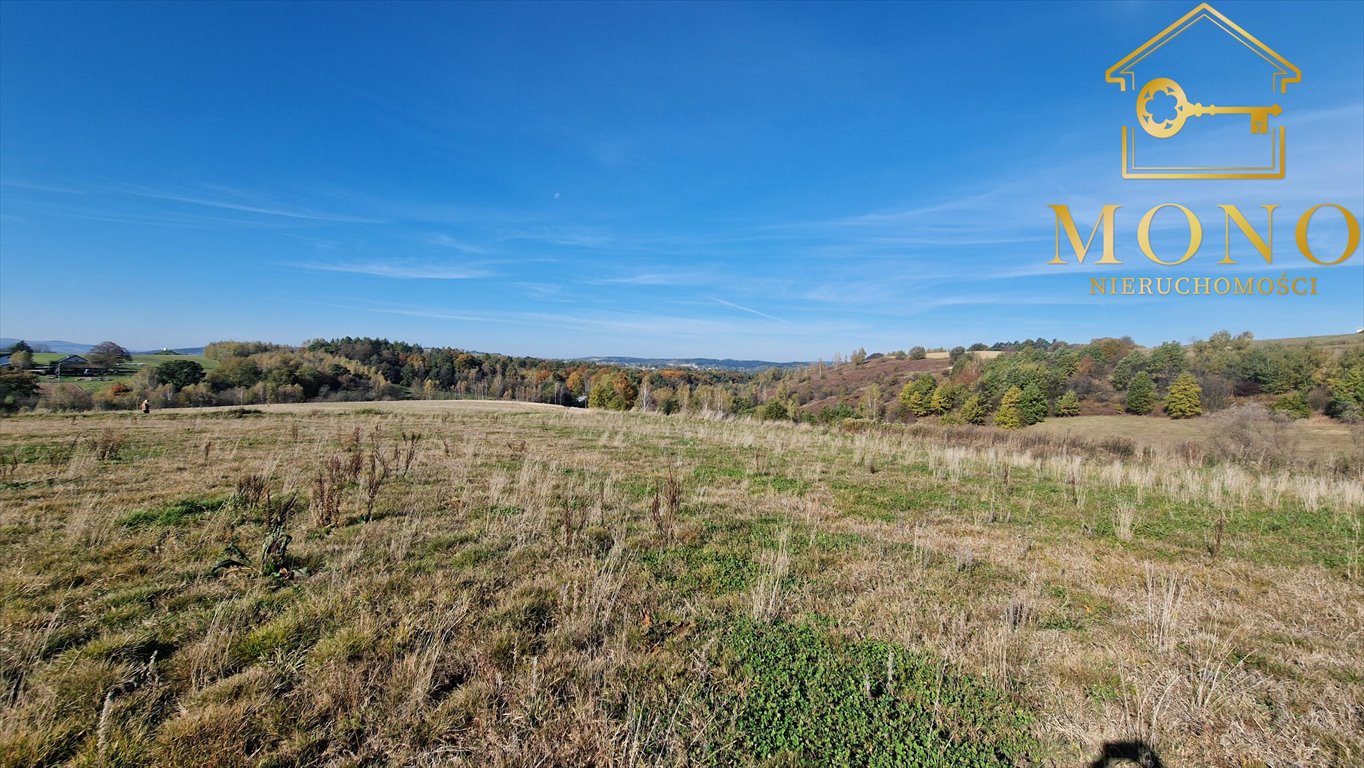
175	513
663	509
1164	596
1124	518
109	444
767	591
9	463
251	490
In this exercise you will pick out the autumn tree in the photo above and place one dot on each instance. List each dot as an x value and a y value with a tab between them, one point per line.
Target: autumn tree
973	410
944	399
917	394
871	406
21	360
612	391
1185	398
1010	413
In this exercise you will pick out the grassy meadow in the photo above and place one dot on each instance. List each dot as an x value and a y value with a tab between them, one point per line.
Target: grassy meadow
124	373
466	583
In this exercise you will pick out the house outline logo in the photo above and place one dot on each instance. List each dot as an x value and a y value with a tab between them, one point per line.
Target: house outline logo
1123	74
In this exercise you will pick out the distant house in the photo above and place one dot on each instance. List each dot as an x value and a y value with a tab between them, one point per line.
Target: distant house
75	365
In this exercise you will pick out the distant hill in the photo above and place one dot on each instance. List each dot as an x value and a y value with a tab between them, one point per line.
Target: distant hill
65	347
76	348
692	362
199	351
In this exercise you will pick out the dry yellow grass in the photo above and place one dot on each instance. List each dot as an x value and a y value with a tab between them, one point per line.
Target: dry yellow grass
510	600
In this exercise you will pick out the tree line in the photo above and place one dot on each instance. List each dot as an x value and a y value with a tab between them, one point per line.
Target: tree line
1033	380
1037	379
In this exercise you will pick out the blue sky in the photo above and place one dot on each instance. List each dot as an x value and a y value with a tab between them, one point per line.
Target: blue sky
766	180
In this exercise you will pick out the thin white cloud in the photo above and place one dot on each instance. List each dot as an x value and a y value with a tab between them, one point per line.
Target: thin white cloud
265	208
399	271
446	241
656	278
742	308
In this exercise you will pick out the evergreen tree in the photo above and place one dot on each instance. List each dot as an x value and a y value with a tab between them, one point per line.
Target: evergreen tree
944	398
1141	395
917	395
1068	405
1128	367
1168	361
1033	404
973	410
1293	404
1010	413
1185	398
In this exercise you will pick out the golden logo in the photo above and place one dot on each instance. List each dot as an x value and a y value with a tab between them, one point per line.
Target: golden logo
1179	138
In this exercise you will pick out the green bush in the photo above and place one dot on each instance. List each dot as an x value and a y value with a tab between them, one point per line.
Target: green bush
773	410
1293	404
1068	405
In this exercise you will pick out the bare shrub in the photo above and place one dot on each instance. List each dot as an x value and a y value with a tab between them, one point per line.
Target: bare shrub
408	444
1252	434
376	472
326	491
65	397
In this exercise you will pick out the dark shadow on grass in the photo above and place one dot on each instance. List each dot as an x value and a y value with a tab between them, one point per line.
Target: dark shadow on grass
1121	754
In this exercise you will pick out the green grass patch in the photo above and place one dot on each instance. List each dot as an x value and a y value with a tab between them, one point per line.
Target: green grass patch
693	567
810	698
175	513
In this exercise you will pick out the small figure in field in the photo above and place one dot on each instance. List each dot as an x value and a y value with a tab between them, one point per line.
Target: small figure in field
146	406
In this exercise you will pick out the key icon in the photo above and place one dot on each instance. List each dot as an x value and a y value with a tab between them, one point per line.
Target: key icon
1164	129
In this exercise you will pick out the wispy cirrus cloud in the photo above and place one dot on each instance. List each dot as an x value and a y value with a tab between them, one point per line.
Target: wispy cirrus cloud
446	241
660	278
402	271
235	200
742	308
